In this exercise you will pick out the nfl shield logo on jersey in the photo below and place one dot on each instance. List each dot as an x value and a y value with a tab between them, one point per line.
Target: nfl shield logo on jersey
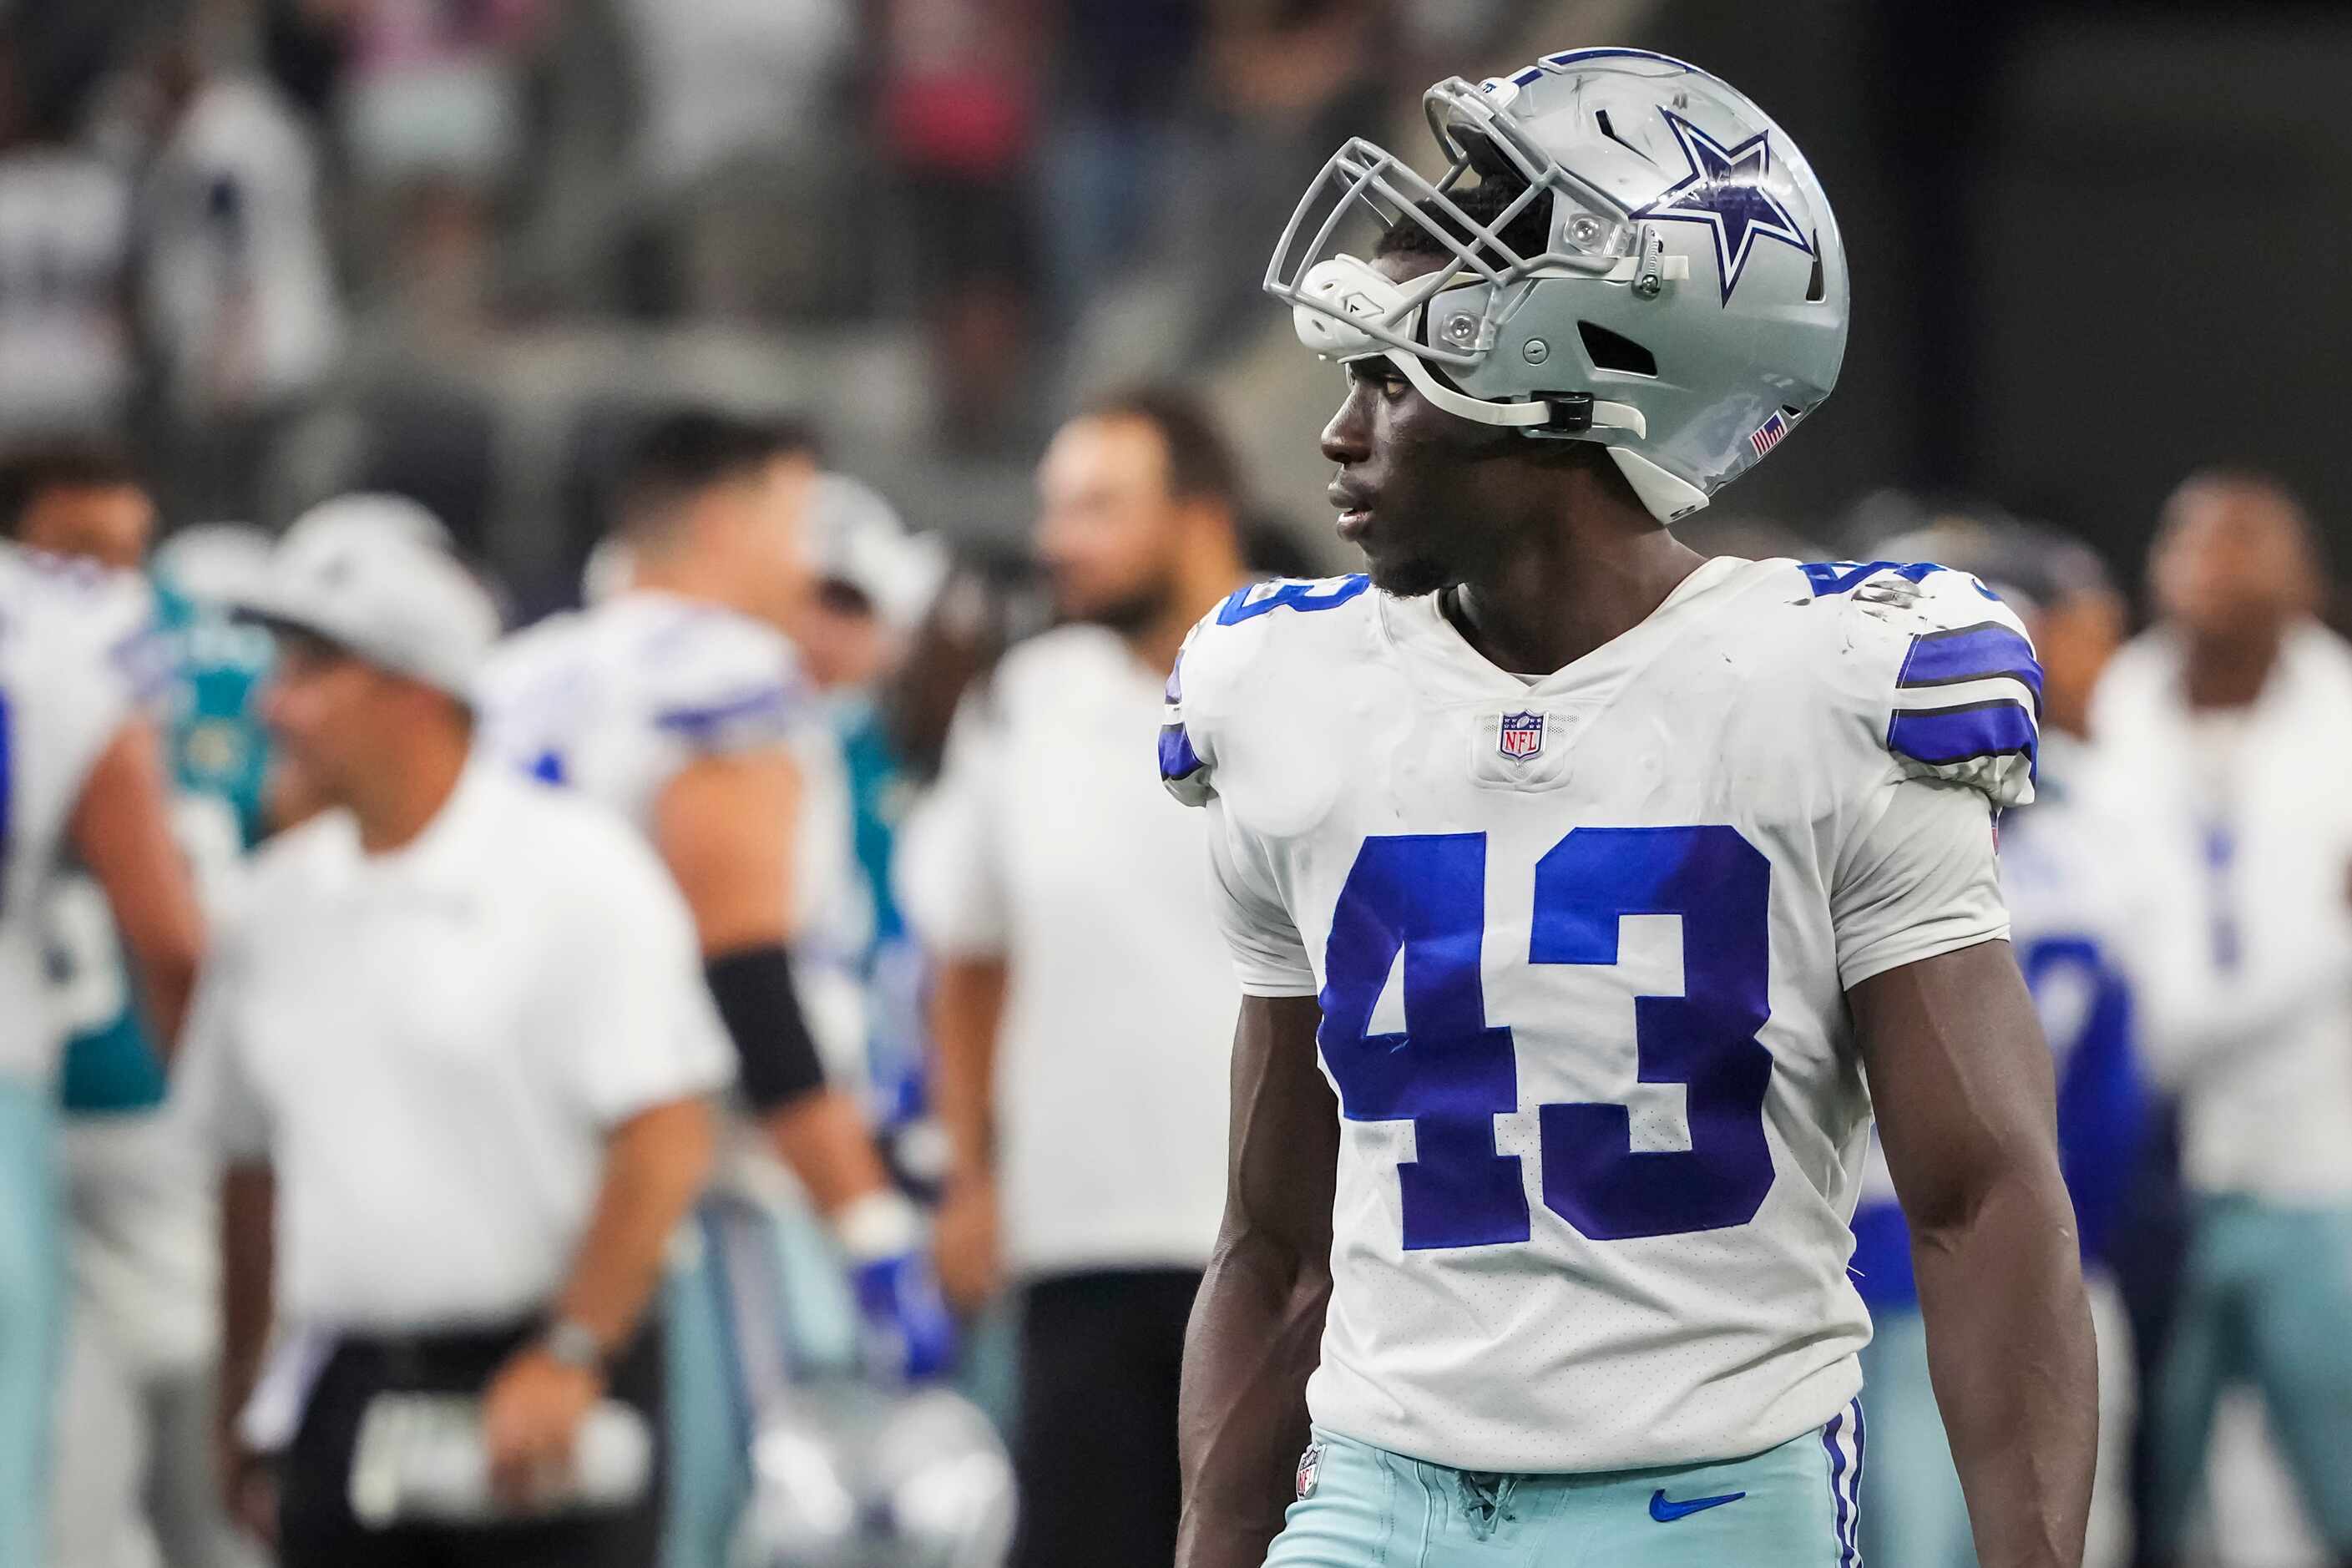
1521	736
1311	1465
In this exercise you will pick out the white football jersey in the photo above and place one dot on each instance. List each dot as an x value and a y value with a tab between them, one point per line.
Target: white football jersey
1581	945
617	700
74	647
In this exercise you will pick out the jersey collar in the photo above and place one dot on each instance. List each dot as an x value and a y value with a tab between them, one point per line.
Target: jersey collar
1442	659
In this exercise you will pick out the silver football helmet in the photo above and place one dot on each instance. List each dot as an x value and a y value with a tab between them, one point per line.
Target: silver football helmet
846	1475
1690	308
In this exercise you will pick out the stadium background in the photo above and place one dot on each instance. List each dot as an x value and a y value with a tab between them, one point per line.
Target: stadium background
483	239
2090	242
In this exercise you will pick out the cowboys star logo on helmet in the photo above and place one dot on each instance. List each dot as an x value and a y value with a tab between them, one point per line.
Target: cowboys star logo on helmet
1725	190
1689	310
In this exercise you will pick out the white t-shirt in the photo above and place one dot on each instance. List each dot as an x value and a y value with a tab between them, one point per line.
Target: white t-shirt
75	655
1049	843
430	1047
2240	936
1582	951
616	701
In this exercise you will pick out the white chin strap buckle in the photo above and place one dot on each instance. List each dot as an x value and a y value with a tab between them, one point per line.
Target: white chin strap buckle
1604	416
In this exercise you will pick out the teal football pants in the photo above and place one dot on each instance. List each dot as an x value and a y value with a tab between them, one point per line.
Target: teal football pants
1795	1506
32	1314
2265	1298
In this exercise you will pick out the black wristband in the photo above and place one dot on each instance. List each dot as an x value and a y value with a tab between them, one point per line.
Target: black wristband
777	1057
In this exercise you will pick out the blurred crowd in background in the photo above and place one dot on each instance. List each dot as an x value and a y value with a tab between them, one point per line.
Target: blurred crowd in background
272	251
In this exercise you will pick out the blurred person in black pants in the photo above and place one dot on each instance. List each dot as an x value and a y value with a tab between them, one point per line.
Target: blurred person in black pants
1086	1121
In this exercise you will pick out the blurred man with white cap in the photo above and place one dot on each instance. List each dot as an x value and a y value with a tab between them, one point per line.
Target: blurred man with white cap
456	1053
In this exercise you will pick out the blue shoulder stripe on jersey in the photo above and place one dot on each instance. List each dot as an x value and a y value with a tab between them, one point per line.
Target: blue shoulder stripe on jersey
1985	651
1939	736
1293	595
772	700
1844	576
1178	760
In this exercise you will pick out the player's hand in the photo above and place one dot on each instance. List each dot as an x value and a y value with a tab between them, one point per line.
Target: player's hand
964	1242
910	1334
532	1416
249	1487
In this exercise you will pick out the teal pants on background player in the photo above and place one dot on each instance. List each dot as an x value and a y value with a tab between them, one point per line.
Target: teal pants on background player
1795	1506
2265	1298
32	1314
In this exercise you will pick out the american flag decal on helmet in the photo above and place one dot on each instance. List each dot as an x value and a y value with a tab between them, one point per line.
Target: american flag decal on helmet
1770	434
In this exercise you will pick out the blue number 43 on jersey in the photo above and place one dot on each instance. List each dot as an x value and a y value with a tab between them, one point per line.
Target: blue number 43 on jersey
1451	1072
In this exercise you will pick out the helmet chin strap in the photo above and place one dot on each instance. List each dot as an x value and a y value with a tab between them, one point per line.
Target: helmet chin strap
1514	415
1665	496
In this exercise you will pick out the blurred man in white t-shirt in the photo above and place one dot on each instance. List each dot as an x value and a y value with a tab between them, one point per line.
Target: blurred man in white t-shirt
2229	728
1080	977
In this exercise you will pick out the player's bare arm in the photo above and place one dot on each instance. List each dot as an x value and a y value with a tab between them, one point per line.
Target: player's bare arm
122	826
1258	1325
655	1165
248	1209
967	1006
1963	1086
724	826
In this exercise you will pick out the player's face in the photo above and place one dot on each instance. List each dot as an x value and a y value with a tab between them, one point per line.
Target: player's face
1108	531
843	639
1412	477
321	705
112	524
2232	561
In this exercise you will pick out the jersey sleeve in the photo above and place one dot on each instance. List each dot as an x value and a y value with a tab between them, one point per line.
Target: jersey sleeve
1963	702
719	684
210	1080
1183	766
631	1021
1922	880
1269	955
100	661
1940	733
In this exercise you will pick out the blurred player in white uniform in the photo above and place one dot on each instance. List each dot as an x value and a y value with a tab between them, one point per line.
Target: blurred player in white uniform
1586	897
133	1480
80	767
2062	875
679	701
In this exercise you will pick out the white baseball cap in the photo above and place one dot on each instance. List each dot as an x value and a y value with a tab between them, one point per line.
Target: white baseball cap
375	574
858	538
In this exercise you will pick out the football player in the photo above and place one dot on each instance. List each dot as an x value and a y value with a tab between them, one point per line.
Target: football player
1586	897
80	769
134	1452
679	699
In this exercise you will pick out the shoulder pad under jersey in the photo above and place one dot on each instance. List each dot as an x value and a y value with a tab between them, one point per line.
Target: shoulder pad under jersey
1958	690
1213	665
719	683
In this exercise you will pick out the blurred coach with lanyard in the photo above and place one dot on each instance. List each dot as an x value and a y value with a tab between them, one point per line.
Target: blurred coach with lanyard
457	1046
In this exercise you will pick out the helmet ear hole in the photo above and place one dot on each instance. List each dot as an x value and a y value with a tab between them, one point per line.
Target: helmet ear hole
1817	290
1612	351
